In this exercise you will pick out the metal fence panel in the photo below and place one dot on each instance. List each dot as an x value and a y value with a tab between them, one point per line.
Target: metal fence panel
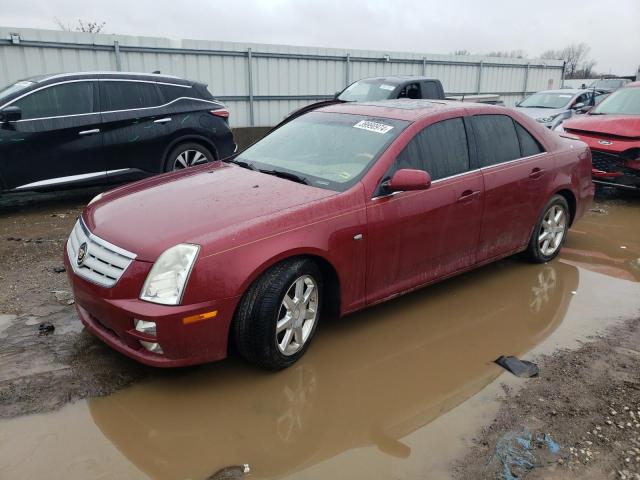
262	83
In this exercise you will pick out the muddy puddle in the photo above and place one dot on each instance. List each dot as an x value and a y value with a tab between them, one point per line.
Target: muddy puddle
396	391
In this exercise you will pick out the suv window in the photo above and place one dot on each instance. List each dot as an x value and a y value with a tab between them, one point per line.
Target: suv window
430	90
440	149
72	98
496	139
172	92
128	95
528	144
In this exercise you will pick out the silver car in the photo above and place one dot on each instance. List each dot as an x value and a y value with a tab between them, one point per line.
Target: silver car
552	107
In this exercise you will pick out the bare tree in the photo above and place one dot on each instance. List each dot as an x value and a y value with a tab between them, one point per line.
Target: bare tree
575	58
87	26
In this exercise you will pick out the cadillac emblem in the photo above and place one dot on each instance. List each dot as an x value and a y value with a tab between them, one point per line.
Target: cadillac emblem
82	253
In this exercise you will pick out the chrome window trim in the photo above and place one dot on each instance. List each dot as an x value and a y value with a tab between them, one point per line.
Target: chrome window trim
108	111
69	178
481	169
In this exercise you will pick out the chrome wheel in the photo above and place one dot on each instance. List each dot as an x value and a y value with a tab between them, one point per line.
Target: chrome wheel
297	316
189	158
552	230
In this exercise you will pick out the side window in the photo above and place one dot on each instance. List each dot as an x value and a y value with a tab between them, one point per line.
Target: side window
430	90
528	145
72	98
584	98
172	92
123	95
410	91
496	139
441	149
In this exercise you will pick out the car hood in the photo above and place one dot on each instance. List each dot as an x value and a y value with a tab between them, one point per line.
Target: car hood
198	206
617	125
540	112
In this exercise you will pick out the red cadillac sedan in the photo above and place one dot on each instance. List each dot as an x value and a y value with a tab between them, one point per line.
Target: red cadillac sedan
337	210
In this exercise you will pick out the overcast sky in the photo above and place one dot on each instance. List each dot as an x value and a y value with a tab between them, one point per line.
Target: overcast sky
612	29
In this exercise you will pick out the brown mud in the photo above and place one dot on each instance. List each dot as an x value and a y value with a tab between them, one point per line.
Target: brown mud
396	391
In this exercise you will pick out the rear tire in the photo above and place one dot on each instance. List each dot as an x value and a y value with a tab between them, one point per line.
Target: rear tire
187	155
550	231
278	315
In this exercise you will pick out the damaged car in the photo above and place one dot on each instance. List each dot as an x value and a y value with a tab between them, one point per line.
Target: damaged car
552	107
612	130
339	209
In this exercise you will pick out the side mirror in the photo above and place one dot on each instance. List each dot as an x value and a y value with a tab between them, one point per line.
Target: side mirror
407	179
578	106
10	114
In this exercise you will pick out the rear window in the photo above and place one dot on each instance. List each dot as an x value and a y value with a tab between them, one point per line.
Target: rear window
173	92
496	139
528	144
128	95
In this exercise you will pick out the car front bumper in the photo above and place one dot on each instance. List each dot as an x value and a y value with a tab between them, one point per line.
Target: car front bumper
109	314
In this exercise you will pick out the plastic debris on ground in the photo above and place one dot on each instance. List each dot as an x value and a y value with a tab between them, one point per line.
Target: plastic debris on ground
520	368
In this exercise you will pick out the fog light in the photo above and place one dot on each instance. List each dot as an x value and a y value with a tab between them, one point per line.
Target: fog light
152	347
143	326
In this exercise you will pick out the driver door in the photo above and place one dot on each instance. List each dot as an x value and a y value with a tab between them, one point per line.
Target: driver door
417	237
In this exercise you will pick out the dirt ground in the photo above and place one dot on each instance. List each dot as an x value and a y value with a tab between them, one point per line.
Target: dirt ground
585	404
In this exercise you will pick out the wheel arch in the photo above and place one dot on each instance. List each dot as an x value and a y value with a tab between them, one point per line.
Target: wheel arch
570	197
187	138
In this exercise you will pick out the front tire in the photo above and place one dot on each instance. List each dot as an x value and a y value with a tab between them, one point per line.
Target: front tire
187	155
279	314
550	232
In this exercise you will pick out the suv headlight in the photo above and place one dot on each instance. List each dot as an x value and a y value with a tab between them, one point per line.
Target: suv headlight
168	277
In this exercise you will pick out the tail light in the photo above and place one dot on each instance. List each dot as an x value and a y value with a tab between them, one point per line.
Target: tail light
220	112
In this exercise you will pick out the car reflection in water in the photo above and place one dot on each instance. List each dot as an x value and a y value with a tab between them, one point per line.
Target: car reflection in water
370	379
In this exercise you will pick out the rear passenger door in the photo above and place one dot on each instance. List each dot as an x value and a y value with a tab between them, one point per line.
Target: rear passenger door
517	172
134	127
418	237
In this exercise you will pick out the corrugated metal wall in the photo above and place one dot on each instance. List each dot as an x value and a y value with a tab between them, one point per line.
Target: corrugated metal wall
262	83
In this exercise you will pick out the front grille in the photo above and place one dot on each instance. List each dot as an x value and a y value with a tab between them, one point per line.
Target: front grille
610	162
102	262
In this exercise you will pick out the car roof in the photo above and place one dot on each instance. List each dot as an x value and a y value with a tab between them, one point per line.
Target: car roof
404	109
155	77
574	91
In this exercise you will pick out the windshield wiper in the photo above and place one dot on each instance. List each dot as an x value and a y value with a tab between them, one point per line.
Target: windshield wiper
240	163
287	175
537	106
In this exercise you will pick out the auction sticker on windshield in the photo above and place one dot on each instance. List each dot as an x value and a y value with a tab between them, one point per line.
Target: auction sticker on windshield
373	126
384	86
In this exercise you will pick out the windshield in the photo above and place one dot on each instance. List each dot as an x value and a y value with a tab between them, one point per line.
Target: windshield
367	91
11	89
328	150
625	101
609	83
547	100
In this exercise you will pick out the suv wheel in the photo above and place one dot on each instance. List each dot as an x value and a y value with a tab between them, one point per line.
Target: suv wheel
278	315
550	232
187	155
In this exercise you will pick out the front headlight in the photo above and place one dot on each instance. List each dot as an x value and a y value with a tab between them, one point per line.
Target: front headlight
168	277
546	119
559	129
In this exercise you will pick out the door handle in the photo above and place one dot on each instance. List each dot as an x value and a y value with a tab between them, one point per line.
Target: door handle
536	173
162	120
89	132
468	195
